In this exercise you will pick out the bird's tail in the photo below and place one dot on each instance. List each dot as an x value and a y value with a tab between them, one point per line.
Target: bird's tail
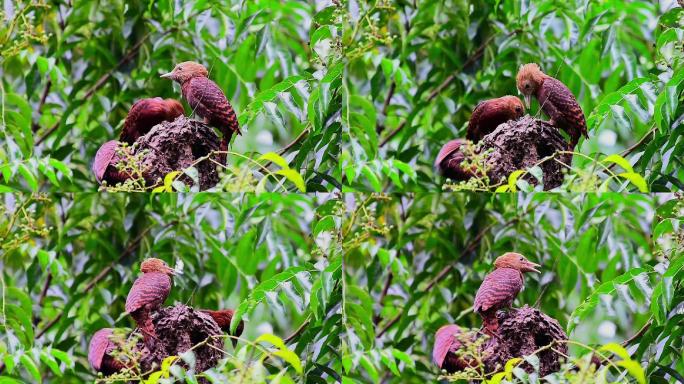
144	320
227	134
490	323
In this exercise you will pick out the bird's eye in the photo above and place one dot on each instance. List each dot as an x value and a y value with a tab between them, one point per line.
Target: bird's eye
521	259
180	68
527	86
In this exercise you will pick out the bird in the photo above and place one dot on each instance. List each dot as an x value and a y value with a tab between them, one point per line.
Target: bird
104	165
99	353
447	344
449	159
555	99
500	287
145	114
206	99
223	318
489	114
148	293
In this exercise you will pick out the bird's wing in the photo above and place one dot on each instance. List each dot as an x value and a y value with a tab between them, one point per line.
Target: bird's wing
103	157
98	347
448	148
472	132
208	100
498	288
444	339
142	116
151	288
561	99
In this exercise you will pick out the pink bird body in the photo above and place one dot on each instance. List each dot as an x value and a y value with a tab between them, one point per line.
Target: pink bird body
449	160
206	99
148	293
500	287
99	353
145	114
104	165
445	342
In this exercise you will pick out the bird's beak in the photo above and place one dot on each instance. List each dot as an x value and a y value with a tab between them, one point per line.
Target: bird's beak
167	75
174	272
531	267
527	100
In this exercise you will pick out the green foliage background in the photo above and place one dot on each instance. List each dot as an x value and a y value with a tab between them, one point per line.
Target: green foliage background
71	71
416	70
413	263
69	261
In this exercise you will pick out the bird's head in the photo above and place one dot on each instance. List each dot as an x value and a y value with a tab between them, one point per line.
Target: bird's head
516	106
516	261
174	108
529	80
156	265
186	71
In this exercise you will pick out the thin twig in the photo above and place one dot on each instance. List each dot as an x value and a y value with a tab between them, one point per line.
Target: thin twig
297	332
385	289
43	98
638	335
636	145
385	106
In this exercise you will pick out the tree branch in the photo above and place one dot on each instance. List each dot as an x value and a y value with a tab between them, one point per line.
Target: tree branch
474	57
102	80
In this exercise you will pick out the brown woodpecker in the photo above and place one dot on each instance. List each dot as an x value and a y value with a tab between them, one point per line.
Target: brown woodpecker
489	114
555	99
500	287
99	353
146	113
206	99
449	160
223	318
148	293
444	352
104	166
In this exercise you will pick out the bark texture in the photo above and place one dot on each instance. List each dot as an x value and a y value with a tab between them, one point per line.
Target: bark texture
520	144
178	329
522	332
176	145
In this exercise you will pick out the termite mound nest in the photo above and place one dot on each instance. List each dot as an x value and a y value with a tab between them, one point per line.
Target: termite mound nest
169	146
179	329
177	145
523	143
523	332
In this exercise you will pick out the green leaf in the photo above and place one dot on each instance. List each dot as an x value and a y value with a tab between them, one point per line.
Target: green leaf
294	177
30	367
283	352
274	158
635	179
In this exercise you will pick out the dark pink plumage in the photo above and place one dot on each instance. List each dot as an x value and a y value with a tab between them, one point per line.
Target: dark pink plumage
104	165
99	353
148	293
206	99
500	287
145	114
449	160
